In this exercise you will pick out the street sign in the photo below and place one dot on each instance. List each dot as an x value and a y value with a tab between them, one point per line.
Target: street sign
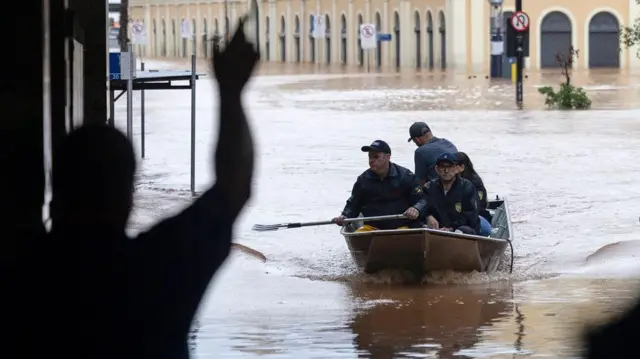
368	36
138	33
384	37
319	29
119	68
186	29
520	21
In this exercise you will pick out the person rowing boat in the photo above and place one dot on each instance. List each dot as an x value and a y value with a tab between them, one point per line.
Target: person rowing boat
385	188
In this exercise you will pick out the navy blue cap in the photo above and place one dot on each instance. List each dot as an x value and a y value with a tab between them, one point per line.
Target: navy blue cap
447	157
377	146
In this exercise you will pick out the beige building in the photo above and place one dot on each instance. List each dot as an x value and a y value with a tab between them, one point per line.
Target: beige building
453	34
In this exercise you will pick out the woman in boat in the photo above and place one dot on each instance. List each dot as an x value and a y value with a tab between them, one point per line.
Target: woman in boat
466	171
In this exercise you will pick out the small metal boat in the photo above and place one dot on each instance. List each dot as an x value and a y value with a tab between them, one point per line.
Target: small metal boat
423	250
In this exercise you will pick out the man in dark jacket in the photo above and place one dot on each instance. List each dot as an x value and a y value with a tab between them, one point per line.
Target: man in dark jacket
385	189
453	201
429	148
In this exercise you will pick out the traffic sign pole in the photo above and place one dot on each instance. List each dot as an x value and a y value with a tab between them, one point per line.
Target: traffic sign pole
520	53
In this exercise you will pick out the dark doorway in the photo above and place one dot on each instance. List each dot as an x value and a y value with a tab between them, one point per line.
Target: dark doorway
555	37
604	41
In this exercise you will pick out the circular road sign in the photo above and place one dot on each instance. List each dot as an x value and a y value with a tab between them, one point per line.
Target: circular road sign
520	21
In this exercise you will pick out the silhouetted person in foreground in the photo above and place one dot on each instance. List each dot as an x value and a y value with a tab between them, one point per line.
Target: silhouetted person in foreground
616	339
136	298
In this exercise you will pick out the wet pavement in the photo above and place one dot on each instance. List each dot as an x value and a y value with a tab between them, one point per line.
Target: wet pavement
569	177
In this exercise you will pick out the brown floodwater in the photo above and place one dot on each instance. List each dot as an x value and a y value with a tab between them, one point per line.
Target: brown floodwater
569	177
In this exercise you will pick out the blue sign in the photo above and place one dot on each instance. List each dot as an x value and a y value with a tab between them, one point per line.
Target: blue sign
384	37
114	66
512	60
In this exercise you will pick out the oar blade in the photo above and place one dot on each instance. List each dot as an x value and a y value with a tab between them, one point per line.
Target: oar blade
265	227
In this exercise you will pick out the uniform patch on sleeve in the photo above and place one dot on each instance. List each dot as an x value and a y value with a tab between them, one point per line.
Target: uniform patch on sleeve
480	195
418	190
458	207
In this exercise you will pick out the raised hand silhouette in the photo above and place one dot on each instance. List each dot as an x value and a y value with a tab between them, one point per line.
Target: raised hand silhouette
233	66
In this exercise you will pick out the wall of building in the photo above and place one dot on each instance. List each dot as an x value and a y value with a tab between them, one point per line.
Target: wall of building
452	34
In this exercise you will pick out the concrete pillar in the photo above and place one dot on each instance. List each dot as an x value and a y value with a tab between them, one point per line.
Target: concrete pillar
351	35
479	36
288	34
456	33
336	35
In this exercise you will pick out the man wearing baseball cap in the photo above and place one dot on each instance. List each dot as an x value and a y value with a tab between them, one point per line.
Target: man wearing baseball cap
385	189
453	201
429	148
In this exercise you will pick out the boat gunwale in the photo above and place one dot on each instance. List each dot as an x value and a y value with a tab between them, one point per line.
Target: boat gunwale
408	231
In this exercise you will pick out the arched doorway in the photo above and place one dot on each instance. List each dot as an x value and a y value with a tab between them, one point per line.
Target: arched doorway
416	29
312	41
343	40
396	31
360	50
327	21
379	43
163	39
256	18
266	40
205	38
283	40
155	38
443	40
555	37
430	39
604	41
296	38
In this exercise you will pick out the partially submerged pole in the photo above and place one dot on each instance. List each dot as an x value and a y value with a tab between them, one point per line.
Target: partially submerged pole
193	120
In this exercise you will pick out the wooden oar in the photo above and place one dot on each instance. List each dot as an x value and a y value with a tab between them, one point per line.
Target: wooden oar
275	227
250	251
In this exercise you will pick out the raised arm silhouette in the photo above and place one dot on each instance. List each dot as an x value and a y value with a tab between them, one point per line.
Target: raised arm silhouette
137	298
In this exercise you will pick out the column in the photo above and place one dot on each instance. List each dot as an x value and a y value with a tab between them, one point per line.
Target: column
479	36
386	25
273	31
456	33
352	34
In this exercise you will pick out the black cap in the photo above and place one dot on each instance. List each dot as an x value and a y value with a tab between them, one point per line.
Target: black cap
377	146
447	157
418	129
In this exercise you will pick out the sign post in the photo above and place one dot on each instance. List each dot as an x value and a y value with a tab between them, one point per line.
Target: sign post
520	23
368	39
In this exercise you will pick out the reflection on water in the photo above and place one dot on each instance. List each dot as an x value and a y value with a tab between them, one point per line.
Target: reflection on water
414	321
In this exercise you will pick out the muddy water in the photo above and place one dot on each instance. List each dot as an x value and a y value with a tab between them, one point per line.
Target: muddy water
569	177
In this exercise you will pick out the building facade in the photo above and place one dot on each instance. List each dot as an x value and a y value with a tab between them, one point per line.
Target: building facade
439	34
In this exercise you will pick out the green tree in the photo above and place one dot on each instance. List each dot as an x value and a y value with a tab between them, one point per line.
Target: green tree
630	35
568	97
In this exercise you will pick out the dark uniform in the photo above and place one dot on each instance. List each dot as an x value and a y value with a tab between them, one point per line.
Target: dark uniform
457	208
391	195
483	202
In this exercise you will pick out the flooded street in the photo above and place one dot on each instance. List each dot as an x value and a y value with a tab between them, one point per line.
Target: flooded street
569	178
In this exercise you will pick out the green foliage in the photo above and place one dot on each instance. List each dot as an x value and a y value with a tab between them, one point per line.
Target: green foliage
630	35
569	97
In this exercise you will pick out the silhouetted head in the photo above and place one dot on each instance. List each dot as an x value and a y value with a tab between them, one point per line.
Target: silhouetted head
93	171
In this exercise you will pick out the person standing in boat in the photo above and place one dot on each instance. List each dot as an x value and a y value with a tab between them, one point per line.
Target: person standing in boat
466	171
385	189
429	148
452	200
